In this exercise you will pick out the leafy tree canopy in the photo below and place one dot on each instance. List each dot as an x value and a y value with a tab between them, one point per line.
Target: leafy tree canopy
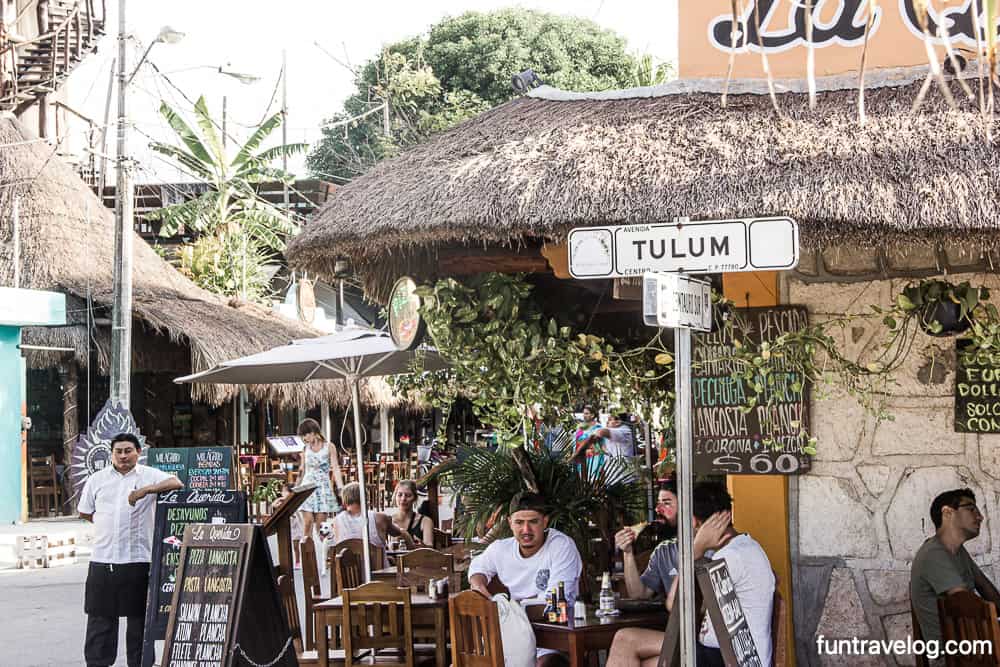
462	67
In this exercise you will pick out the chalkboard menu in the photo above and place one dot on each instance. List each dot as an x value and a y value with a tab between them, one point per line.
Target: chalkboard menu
977	391
174	512
726	614
715	595
199	468
728	440
226	610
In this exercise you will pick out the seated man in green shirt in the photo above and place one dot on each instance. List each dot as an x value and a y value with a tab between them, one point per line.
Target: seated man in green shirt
942	565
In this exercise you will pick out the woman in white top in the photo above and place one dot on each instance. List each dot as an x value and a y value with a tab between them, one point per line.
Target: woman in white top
319	465
348	524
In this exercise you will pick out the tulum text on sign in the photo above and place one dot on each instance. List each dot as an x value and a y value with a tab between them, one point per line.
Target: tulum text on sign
751	244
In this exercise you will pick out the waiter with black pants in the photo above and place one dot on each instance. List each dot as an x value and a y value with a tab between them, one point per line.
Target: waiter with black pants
120	500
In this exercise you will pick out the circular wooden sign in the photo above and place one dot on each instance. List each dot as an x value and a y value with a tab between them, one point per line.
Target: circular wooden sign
406	326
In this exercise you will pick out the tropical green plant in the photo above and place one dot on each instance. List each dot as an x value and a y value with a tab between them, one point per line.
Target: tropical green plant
491	482
937	306
460	68
647	71
229	210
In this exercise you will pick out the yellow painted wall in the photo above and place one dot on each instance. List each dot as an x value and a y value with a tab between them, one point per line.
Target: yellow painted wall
761	501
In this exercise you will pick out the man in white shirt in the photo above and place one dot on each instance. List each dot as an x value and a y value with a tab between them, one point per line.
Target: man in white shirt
532	562
120	501
749	569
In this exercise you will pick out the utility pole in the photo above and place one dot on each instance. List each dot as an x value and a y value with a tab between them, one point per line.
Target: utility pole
121	317
284	128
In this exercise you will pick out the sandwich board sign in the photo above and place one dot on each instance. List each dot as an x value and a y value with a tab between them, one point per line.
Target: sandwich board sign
702	246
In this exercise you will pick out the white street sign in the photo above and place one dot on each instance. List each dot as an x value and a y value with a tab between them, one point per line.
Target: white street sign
721	246
683	302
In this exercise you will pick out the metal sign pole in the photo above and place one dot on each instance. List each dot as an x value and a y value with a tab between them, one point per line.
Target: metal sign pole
685	481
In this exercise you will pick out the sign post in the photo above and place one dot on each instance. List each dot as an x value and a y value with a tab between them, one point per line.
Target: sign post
683	303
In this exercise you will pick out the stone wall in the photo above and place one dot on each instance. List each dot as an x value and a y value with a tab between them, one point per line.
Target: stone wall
862	511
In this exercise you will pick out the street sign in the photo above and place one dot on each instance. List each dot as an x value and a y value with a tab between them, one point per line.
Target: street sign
705	246
683	302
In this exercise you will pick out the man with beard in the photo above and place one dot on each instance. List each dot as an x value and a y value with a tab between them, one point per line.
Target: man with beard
662	567
942	565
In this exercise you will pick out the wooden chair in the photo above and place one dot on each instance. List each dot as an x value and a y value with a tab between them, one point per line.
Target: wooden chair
442	540
346	572
416	568
305	657
313	591
377	616
475	631
918	635
967	617
355	544
46	495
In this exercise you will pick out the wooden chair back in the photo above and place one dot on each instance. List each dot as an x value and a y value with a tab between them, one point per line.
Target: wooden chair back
377	616
45	490
918	635
416	568
355	544
442	539
967	617
286	589
347	572
312	589
779	633
475	631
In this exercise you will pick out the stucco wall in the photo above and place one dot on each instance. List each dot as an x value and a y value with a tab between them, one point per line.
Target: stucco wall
862	511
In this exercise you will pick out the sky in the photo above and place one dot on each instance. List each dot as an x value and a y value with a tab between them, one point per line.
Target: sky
248	36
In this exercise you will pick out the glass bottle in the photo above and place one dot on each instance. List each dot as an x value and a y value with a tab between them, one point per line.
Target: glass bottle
606	605
561	604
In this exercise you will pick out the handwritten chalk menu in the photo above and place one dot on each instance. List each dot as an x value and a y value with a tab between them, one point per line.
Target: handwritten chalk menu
174	512
200	468
728	440
170	460
977	391
208	467
226	610
726	614
715	596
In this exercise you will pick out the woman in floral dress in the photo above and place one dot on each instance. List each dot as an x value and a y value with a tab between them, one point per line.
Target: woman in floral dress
319	458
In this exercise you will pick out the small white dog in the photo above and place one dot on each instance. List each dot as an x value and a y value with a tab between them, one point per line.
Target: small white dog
326	541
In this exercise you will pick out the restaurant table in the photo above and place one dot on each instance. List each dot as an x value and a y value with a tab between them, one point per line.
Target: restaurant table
581	636
423	611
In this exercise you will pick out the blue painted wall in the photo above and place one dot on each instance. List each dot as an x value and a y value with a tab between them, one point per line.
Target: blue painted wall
11	397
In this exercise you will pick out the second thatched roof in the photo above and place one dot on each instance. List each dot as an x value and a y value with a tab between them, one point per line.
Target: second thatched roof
66	245
535	168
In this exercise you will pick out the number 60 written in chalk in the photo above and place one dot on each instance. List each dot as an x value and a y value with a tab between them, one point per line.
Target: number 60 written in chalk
784	464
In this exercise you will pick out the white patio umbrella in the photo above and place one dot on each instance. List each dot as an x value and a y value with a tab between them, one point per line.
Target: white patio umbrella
350	354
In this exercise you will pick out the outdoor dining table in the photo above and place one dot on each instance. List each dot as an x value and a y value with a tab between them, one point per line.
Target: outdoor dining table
423	611
581	636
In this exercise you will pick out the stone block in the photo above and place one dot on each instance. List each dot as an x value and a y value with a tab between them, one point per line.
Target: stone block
908	518
839	424
839	299
989	455
898	627
850	259
875	477
888	587
919	426
843	615
908	256
851	535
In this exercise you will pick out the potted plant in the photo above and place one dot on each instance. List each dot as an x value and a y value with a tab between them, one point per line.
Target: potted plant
264	495
941	308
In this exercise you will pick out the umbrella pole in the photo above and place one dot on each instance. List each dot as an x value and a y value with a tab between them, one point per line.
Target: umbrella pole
355	399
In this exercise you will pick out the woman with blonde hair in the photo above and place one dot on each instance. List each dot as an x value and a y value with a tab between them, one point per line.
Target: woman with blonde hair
319	459
406	518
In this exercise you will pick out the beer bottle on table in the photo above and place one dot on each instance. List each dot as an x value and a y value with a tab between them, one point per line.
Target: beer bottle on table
607	597
561	604
551	614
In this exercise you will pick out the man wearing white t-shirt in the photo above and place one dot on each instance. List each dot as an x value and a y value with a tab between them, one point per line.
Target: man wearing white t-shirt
532	562
749	569
120	500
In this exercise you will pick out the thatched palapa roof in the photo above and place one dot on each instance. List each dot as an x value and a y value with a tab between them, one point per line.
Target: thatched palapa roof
66	245
536	167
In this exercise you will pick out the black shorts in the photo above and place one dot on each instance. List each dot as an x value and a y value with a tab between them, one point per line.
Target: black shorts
116	590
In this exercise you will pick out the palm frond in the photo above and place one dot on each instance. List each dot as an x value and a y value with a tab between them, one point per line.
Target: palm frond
207	126
187	135
256	139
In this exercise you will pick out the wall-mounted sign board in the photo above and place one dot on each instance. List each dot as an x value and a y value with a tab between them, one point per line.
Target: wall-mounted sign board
703	246
977	391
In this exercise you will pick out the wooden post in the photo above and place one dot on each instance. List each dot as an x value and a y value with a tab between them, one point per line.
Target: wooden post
71	420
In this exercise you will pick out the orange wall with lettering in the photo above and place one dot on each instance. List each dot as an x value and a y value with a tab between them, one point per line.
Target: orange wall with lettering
895	41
